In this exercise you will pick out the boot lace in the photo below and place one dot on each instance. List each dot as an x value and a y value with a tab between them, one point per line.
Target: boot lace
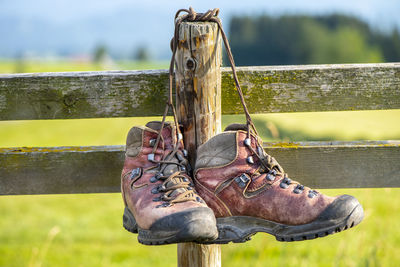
177	187
271	167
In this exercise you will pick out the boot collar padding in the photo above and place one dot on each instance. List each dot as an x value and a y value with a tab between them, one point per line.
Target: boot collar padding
236	127
218	151
134	140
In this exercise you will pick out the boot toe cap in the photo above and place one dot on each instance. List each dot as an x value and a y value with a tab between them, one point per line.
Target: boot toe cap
344	206
194	224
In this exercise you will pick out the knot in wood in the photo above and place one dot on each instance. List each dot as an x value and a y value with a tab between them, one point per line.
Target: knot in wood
69	100
191	64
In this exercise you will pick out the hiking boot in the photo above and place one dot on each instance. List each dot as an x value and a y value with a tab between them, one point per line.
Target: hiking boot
160	202
249	192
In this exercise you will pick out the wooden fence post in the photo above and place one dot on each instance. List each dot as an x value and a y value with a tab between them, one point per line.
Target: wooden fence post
198	100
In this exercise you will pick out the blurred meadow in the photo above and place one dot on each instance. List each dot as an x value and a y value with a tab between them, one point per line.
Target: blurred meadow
86	229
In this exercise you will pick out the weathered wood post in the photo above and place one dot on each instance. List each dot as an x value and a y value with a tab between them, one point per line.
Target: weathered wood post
198	100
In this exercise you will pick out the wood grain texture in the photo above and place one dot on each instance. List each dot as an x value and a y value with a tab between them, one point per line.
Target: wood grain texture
198	83
63	170
72	95
190	253
314	88
198	103
77	95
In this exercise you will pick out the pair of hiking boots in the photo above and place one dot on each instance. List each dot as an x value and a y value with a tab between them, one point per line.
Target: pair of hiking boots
235	191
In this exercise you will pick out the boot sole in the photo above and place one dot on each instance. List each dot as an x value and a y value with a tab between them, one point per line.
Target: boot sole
239	229
193	225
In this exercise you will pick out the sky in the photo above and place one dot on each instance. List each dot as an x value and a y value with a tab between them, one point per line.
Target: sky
76	26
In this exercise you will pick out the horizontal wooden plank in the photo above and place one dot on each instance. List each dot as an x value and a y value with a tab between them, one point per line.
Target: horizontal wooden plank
315	88
57	170
97	169
357	164
72	95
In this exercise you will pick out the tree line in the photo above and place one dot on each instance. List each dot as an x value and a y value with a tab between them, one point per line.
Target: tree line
293	39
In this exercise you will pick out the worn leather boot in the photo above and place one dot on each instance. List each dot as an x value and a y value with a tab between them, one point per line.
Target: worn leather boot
249	192
160	202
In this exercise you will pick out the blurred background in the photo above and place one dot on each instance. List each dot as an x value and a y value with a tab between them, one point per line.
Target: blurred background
86	230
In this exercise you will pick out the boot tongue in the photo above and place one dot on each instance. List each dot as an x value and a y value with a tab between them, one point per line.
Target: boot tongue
171	168
156	125
236	127
168	132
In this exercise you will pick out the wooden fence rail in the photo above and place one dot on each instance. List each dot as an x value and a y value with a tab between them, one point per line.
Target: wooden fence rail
73	95
93	169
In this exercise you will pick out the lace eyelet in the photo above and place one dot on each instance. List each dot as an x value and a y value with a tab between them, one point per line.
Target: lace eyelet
298	189
250	160
242	180
153	179
270	177
155	190
150	157
152	142
157	199
283	185
247	142
135	173
287	180
312	193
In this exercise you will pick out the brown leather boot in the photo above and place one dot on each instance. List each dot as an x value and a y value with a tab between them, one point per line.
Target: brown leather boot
160	201
249	192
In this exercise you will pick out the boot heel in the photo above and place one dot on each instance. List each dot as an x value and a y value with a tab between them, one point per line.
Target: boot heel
129	221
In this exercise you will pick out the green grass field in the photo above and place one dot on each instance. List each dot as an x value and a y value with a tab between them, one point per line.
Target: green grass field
86	230
28	66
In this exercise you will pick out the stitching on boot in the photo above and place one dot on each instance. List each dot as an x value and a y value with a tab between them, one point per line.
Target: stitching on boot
265	182
254	193
135	187
211	193
223	185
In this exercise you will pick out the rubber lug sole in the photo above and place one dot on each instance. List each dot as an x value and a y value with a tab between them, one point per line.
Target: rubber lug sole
194	225
129	221
239	229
